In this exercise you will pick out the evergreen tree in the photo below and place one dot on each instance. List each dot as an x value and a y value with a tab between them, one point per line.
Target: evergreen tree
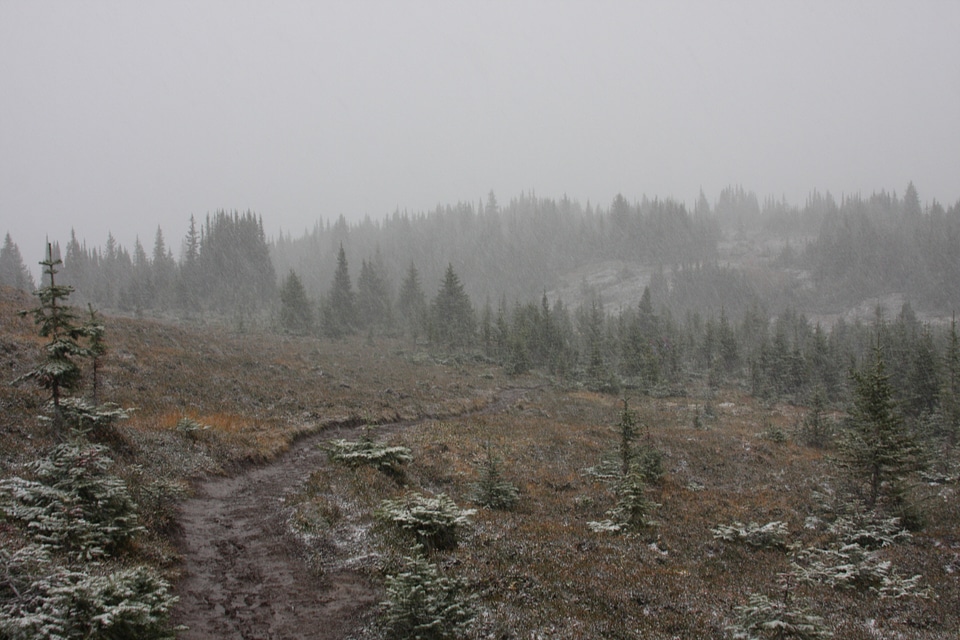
453	321
637	357
923	378
501	330
727	345
164	272
79	266
493	490
824	365
628	431
339	310
94	331
373	295
13	273
412	304
551	348
816	429
235	267
190	283
487	329
116	267
521	340
138	292
911	202
58	372
634	468
189	280
950	393
590	323
876	449
296	313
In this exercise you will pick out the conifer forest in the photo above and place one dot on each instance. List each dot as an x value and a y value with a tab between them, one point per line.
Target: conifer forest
528	418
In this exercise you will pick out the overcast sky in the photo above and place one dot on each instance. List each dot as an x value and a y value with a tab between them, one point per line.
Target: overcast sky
124	115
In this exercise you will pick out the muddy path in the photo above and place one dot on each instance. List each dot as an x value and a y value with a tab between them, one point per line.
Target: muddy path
245	578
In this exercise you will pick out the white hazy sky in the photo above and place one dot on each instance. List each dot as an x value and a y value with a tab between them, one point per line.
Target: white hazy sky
121	116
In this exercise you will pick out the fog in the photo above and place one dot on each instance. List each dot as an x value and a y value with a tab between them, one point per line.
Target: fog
120	116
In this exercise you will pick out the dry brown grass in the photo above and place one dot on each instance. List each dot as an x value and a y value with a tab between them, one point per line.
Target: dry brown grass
539	569
542	572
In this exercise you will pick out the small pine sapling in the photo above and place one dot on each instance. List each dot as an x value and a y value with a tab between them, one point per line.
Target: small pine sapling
434	522
40	599
632	509
772	535
421	603
764	618
74	505
492	490
365	452
636	467
853	559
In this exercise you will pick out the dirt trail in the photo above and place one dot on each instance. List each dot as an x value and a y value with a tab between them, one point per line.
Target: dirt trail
245	578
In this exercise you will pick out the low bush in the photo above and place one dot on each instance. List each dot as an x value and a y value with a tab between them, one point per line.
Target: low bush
433	521
852	559
388	459
40	599
763	618
423	604
74	505
772	535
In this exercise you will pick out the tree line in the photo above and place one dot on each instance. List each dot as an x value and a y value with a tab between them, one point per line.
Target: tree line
488	267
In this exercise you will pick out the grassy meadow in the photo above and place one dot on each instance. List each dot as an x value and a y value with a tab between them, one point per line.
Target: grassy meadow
208	401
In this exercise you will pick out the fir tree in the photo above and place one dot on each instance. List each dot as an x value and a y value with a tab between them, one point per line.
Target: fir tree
164	271
94	331
591	327
492	490
296	314
373	295
57	322
816	429
138	292
453	321
235	267
13	273
424	604
950	393
411	303
487	329
628	429
339	313
190	281
876	450
922	388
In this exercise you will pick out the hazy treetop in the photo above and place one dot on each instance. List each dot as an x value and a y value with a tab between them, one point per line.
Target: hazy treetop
122	115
